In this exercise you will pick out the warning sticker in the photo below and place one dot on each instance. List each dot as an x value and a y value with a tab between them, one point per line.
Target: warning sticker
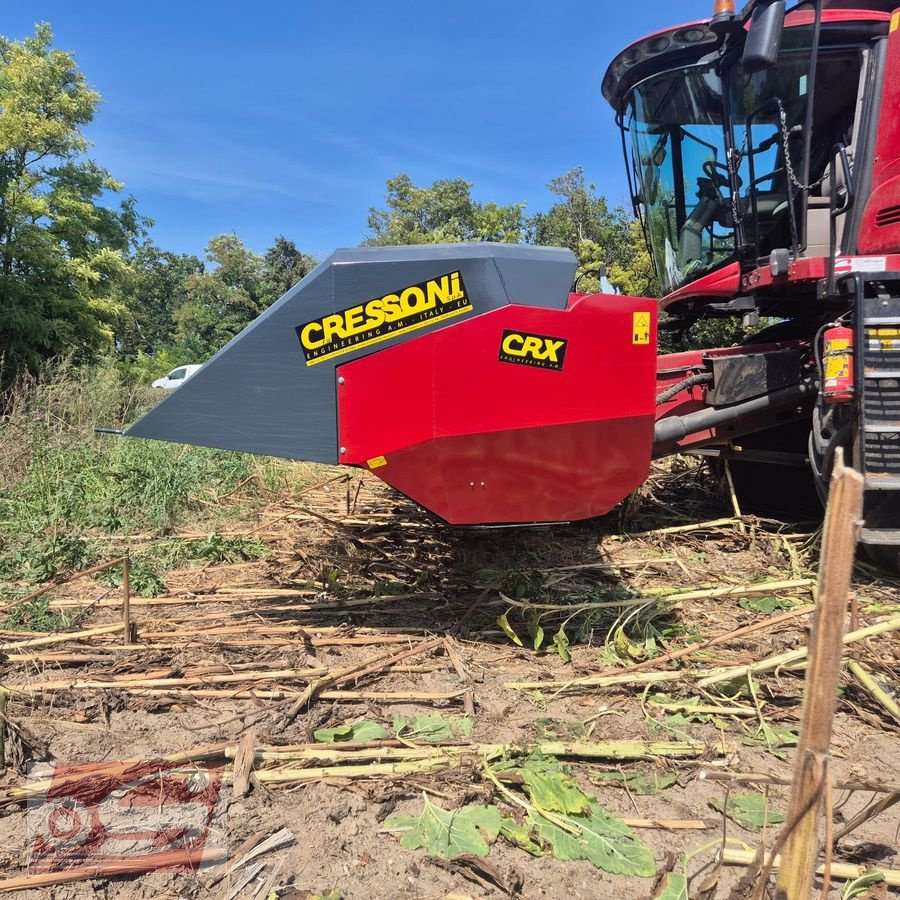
640	328
895	21
377	462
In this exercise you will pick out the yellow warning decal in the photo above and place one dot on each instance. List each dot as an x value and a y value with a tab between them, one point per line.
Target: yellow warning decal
640	328
384	317
377	462
895	21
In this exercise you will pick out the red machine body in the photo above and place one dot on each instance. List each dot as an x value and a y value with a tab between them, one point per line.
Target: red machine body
563	424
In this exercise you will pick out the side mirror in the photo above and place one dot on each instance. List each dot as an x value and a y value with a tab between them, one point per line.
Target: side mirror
764	38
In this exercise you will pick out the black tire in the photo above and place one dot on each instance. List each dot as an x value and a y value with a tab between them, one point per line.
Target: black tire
766	489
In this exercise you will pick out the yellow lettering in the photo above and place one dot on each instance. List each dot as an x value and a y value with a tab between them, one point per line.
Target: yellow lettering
375	313
392	308
439	291
333	325
512	344
552	348
421	301
532	347
354	319
306	336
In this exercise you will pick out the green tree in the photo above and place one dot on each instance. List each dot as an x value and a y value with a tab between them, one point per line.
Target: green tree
220	302
442	213
283	266
155	286
62	252
581	220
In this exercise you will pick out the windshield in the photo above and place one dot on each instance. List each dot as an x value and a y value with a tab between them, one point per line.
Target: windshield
678	153
768	115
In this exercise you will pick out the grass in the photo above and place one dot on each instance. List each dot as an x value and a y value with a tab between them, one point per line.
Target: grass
66	492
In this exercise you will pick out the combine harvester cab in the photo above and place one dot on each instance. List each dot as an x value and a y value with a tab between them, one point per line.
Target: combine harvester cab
467	376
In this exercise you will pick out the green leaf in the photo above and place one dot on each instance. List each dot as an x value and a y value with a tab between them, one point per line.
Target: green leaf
536	630
358	731
749	811
550	787
470	829
599	838
433	728
675	887
519	834
503	622
860	886
561	643
773	737
640	783
764	605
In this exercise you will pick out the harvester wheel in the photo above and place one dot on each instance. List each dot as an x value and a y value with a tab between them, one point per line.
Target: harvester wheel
770	489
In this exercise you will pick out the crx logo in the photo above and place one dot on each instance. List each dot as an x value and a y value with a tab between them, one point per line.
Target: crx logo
537	350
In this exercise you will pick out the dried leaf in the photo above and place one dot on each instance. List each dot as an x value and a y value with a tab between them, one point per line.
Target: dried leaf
470	829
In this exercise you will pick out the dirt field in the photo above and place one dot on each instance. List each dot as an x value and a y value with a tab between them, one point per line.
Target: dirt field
366	610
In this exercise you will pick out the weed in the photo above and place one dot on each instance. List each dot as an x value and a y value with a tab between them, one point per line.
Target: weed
36	615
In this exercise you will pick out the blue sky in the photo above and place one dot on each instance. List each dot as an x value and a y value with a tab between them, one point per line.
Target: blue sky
287	118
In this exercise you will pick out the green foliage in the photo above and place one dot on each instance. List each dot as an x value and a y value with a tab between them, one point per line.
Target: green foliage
470	829
357	732
601	839
552	823
220	302
62	253
217	548
644	785
442	213
36	615
749	810
143	579
432	728
764	605
61	485
549	785
702	334
859	887
675	887
581	220
153	288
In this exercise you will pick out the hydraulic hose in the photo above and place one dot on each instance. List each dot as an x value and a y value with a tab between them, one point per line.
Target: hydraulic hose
673	428
676	389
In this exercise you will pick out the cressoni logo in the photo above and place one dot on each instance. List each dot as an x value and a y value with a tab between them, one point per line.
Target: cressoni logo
537	350
384	317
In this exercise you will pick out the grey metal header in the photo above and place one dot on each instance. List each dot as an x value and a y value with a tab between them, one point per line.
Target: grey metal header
261	394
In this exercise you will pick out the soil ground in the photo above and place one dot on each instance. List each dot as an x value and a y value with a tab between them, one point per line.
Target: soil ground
355	573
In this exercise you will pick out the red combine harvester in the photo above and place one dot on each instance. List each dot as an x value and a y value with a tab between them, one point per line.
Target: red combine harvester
763	150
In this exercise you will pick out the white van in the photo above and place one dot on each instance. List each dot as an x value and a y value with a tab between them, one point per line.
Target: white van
176	377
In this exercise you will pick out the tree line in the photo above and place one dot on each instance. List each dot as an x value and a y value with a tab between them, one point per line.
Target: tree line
80	274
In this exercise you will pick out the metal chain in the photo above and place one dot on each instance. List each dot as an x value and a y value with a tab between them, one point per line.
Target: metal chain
789	168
